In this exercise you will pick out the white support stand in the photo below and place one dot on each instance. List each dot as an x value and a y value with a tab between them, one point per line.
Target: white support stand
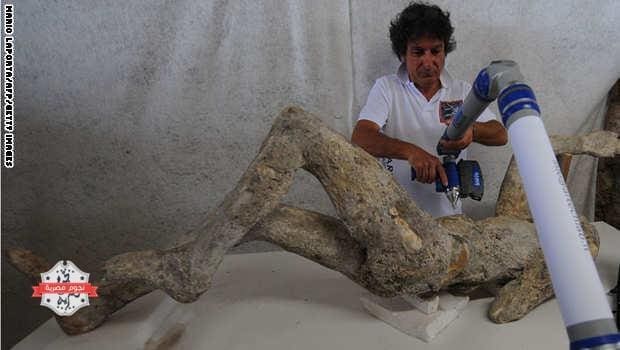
427	306
417	317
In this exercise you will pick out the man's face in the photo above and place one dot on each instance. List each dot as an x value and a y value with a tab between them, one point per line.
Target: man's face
425	58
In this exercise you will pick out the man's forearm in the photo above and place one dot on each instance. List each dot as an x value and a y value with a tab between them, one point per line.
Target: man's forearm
379	145
428	167
490	133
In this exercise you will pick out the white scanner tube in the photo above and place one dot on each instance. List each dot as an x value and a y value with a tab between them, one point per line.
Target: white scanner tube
577	286
575	280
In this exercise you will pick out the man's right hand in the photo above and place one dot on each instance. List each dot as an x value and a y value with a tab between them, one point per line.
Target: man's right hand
427	166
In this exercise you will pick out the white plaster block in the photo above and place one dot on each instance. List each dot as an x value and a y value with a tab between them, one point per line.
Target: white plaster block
427	306
398	313
448	301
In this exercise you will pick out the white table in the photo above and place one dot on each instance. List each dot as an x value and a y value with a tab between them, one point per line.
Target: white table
279	300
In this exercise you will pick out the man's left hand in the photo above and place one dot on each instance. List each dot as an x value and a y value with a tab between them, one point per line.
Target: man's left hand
461	143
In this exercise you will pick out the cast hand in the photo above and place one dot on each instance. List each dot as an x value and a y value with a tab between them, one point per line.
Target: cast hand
461	143
427	166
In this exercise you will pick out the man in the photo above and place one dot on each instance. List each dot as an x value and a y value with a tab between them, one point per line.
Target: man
407	112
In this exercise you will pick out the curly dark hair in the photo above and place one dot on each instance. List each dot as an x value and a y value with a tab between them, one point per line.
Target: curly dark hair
417	20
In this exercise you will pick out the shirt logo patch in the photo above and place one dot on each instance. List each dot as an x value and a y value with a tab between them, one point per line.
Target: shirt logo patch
447	110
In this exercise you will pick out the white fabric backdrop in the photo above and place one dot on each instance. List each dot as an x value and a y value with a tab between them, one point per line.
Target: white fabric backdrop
567	50
134	118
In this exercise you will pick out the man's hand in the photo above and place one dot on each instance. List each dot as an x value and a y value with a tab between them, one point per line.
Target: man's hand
461	143
490	133
427	166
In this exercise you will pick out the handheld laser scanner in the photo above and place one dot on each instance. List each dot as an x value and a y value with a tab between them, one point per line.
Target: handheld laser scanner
465	177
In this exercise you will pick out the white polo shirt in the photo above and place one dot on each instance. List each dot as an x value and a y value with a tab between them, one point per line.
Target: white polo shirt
402	112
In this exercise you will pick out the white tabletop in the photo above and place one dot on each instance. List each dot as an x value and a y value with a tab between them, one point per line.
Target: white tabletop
279	300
